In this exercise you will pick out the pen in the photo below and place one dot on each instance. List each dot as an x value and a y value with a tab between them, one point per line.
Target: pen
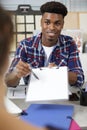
34	75
23	113
60	63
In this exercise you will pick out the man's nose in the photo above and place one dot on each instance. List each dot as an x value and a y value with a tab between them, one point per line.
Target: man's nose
52	27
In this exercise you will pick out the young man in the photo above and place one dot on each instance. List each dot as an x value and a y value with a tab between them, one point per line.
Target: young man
48	48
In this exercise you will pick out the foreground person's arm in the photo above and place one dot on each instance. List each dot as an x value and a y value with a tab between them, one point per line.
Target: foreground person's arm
10	122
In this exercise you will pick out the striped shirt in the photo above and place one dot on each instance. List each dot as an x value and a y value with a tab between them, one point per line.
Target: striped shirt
31	51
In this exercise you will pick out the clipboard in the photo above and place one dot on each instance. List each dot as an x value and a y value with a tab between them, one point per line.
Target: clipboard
52	85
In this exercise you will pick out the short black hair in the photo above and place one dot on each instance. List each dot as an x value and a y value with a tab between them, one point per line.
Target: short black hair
54	7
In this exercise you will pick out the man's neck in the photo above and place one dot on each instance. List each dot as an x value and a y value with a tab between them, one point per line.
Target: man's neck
48	44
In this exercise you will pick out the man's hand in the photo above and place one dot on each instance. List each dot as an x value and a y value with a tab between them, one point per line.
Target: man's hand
52	65
22	69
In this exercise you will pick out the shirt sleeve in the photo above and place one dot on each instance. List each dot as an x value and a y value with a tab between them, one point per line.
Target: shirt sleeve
20	52
74	64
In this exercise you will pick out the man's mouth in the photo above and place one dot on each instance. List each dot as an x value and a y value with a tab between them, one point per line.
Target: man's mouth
51	33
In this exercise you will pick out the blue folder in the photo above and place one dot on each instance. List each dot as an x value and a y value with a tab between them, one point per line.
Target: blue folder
53	115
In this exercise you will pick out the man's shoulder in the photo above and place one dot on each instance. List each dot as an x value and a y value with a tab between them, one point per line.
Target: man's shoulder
66	40
65	37
30	40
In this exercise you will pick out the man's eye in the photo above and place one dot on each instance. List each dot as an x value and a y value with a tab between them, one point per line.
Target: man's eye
57	23
47	22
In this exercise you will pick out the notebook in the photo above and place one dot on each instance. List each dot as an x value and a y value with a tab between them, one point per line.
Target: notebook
74	125
51	85
52	115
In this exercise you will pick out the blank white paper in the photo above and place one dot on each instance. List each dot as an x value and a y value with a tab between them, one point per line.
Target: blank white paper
52	85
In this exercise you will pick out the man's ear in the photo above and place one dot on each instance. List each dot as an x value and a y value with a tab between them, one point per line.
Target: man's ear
63	24
41	22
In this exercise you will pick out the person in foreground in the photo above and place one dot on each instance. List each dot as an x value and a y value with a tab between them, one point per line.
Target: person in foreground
47	49
8	121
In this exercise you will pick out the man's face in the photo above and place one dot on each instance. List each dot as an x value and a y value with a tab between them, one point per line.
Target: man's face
52	25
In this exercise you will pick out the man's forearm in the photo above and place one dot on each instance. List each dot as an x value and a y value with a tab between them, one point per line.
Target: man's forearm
11	79
72	77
